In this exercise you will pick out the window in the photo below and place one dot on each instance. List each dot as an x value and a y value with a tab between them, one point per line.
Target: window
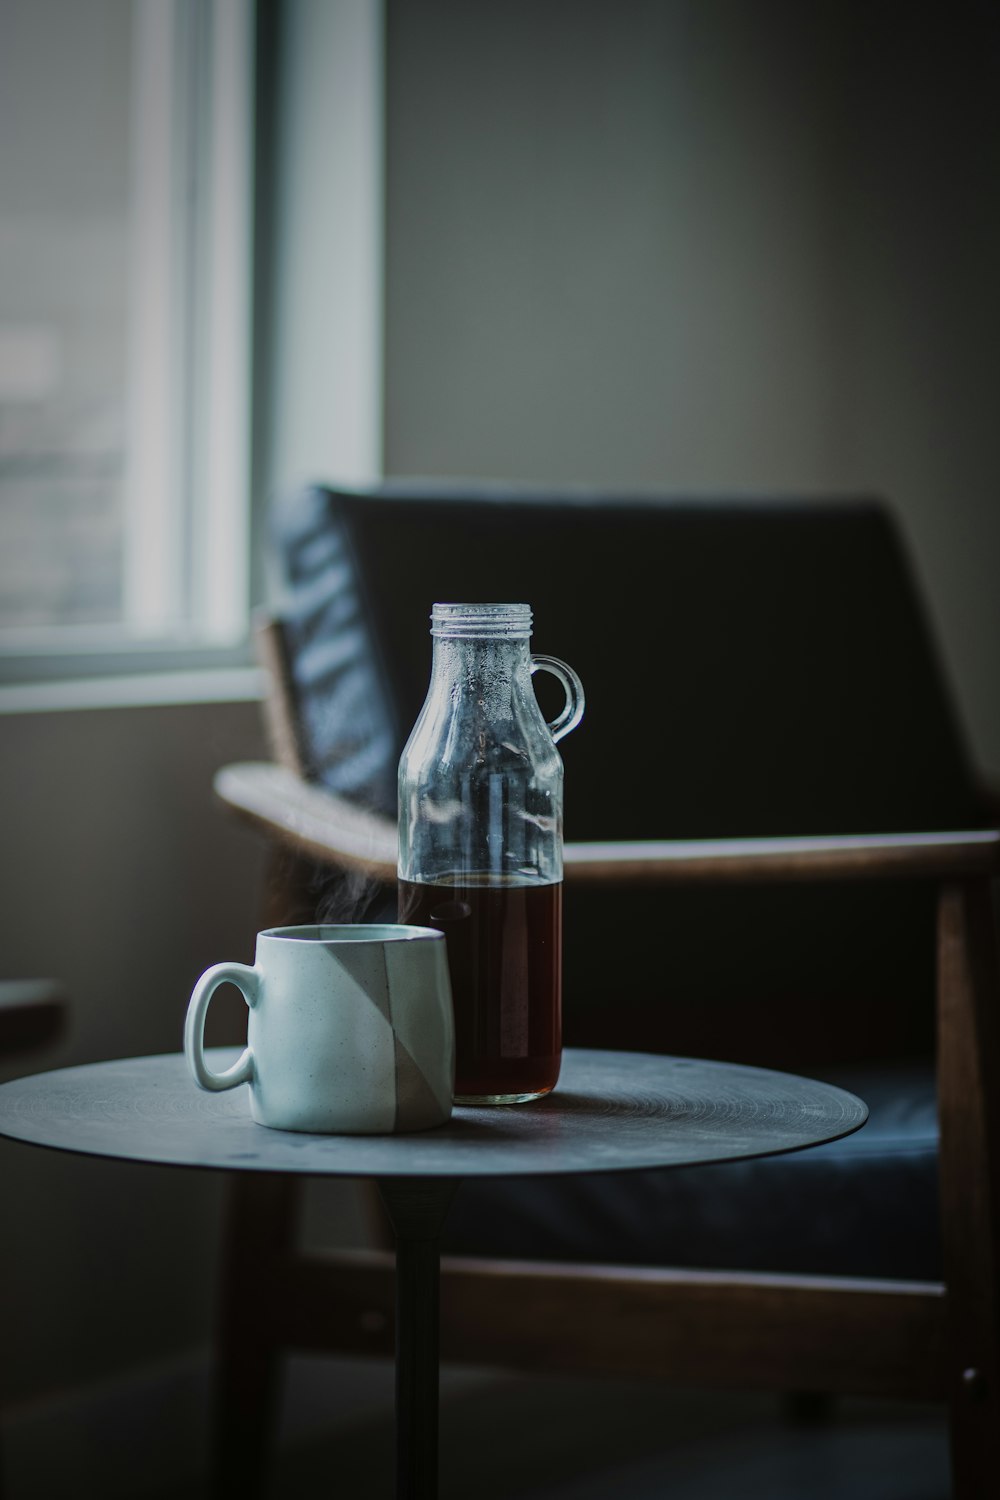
125	300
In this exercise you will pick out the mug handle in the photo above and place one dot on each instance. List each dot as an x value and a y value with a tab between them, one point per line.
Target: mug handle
247	981
573	710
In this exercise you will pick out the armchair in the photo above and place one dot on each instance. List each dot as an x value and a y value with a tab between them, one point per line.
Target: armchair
811	848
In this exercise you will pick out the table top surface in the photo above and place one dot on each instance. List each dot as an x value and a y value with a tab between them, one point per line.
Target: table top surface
611	1111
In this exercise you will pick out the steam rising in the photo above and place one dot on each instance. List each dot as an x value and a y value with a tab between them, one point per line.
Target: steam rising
353	896
304	894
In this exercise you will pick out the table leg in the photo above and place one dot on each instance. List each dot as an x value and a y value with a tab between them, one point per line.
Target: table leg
259	1234
417	1208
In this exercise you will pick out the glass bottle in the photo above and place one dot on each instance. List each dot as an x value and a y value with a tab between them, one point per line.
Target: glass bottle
480	845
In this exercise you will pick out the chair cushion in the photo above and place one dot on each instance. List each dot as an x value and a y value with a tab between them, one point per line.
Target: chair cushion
864	1206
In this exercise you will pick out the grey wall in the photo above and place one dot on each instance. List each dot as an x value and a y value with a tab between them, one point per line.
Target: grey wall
323	405
703	245
121	878
124	879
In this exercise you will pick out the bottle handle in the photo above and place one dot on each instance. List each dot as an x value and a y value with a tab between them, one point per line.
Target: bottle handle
572	711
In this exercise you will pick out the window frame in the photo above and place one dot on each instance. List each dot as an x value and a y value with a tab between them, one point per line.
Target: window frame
188	506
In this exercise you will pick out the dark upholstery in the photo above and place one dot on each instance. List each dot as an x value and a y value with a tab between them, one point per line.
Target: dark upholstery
863	1206
752	667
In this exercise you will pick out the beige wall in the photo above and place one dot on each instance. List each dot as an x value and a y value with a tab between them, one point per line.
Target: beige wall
709	246
122	879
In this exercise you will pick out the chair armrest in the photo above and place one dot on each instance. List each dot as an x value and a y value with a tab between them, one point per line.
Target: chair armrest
321	826
848	857
309	819
32	1012
989	788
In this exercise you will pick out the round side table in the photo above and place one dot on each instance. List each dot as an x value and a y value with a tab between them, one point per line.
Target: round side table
612	1112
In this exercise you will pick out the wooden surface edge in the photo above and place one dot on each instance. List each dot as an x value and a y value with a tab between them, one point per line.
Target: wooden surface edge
332	830
835	857
706	1328
309	819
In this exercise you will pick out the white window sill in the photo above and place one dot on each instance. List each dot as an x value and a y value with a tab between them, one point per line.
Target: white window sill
240	684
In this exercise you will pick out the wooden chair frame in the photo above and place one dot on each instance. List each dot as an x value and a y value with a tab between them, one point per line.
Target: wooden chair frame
935	1341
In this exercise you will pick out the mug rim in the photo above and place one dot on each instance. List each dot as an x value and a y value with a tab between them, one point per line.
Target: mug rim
349	932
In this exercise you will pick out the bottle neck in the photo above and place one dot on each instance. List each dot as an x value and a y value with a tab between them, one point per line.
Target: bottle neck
476	660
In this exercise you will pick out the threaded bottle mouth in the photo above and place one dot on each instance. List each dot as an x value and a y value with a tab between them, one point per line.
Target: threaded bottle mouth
481	621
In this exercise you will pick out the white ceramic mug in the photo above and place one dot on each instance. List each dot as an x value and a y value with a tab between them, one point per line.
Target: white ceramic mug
349	1030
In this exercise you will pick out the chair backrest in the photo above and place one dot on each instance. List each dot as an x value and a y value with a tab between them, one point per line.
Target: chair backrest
752	667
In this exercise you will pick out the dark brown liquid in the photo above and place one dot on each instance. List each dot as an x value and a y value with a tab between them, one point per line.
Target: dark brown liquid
505	961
